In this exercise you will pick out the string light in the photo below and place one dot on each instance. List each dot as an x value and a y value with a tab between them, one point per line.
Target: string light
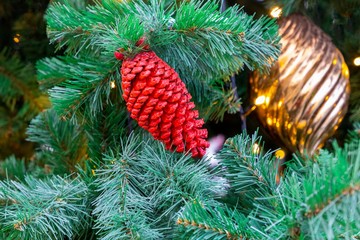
275	12
16	38
260	100
357	61
280	154
112	84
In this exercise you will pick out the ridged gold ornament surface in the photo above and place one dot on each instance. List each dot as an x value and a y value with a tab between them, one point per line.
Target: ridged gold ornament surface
305	97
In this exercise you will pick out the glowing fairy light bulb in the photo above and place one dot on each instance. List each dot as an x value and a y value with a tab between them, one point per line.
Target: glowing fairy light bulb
112	84
357	61
260	100
275	12
16	38
280	154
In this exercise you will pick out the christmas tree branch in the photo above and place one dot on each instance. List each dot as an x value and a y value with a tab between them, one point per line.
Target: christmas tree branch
19	85
20	101
12	167
106	129
223	101
17	169
249	172
336	199
148	185
210	45
178	178
241	32
18	79
63	142
122	205
52	208
198	221
332	182
318	200
87	81
335	193
342	214
67	25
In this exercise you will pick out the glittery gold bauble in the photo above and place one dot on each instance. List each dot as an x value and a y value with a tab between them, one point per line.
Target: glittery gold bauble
305	97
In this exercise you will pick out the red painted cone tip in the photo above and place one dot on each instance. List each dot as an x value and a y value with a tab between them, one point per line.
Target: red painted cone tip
119	55
140	41
159	101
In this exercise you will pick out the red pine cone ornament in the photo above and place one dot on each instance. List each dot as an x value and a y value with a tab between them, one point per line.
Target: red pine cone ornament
159	101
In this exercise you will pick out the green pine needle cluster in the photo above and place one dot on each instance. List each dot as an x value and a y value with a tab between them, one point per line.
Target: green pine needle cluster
141	187
199	221
244	164
42	209
203	49
20	101
18	168
144	192
313	200
97	175
63	143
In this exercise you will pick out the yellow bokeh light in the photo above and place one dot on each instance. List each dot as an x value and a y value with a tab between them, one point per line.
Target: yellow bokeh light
275	12
16	39
301	124
280	154
267	100
345	70
357	61
269	121
260	100
112	84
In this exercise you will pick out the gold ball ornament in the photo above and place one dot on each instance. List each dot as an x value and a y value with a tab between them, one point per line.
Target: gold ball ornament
305	97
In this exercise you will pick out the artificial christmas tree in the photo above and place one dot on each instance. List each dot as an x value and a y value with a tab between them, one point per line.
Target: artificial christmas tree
132	187
100	175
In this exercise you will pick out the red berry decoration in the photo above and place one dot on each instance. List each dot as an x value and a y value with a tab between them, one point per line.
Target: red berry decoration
159	101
